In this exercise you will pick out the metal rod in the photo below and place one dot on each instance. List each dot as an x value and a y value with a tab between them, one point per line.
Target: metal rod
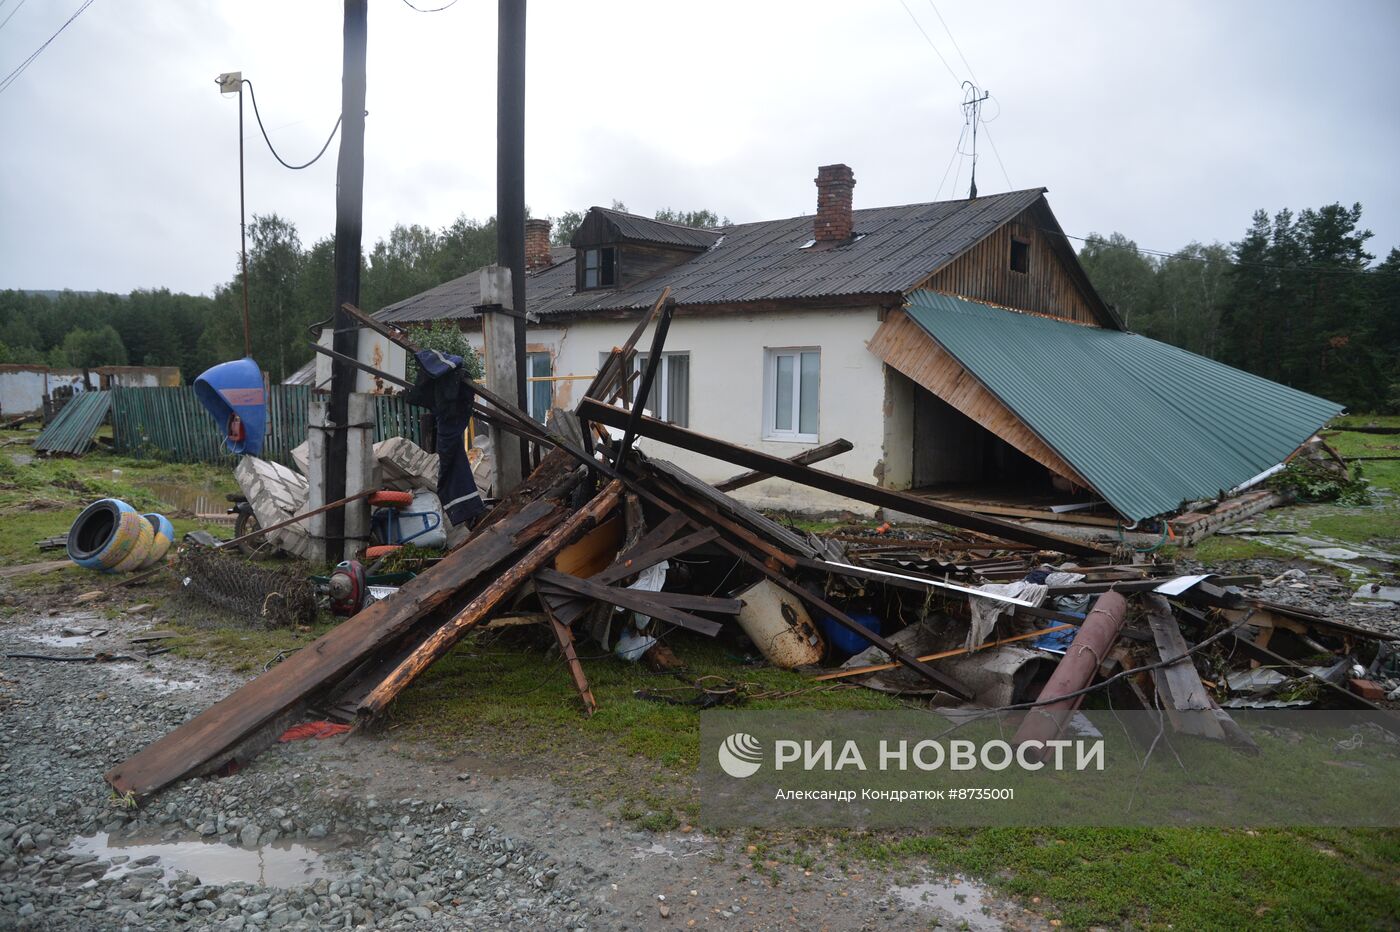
341	503
243	230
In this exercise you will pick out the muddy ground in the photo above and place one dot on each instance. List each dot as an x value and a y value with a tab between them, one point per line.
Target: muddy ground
359	832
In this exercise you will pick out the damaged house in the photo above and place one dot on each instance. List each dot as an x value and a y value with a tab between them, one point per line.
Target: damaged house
958	345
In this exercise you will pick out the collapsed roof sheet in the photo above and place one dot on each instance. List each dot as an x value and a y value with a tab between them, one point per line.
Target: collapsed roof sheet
1149	425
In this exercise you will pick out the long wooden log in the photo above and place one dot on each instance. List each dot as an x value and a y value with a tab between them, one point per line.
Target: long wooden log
442	640
806	458
206	741
593	410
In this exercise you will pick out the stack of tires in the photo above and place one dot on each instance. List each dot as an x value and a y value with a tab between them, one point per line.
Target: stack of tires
113	537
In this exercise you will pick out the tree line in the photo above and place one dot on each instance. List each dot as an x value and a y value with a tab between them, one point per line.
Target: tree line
1296	299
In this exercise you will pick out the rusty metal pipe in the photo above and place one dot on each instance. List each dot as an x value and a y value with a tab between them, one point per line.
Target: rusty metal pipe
1089	648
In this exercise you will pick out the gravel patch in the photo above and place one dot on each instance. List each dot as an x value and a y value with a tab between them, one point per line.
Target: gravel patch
355	833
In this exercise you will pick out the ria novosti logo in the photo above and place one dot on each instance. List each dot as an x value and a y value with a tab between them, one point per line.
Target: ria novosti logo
740	755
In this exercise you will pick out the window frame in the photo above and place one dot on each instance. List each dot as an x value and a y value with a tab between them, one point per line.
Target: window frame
795	434
1025	245
530	358
583	270
661	386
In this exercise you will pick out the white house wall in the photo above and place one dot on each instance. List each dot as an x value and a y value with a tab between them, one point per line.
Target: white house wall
21	392
727	391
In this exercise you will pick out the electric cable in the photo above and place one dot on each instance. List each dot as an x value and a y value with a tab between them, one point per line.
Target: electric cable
10	78
436	9
966	63
986	131
920	27
12	12
258	116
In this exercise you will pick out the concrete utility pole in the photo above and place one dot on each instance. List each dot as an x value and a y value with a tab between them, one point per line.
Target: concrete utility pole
505	332
349	205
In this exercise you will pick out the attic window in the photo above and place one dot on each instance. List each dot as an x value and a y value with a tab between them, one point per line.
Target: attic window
599	267
1020	256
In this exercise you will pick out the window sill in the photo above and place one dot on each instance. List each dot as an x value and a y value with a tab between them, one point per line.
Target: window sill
791	438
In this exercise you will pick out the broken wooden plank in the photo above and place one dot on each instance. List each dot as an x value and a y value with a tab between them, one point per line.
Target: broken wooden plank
202	743
443	639
626	566
1187	704
632	599
565	636
593	410
806	458
553	579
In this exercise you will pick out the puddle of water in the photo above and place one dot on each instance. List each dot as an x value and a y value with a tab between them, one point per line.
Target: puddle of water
275	865
960	900
58	640
201	500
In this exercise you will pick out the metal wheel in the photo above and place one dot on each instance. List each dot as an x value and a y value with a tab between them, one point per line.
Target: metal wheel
259	548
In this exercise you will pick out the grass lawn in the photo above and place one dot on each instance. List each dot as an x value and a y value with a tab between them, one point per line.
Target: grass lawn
505	697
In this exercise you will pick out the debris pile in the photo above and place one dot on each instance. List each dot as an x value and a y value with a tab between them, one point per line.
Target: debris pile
606	543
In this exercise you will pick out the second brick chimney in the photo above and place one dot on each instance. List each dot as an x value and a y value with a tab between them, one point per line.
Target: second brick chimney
537	251
835	184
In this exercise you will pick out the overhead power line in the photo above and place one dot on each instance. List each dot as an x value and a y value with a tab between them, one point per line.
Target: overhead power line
13	76
12	12
987	131
314	159
920	26
956	47
436	9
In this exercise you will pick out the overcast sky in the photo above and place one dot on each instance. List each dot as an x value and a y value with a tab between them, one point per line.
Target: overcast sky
1167	122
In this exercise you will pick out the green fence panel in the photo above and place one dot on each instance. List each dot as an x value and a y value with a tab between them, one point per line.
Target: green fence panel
171	424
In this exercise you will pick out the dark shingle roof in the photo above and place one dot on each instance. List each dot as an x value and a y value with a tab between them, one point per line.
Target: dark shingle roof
625	226
895	248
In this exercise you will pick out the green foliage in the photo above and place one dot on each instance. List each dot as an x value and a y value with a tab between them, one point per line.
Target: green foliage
446	336
86	349
1295	300
1306	481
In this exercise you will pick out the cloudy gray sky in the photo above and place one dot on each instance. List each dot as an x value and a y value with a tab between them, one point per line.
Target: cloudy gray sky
1168	122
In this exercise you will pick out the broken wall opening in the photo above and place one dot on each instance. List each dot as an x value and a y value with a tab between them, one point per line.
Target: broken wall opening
952	452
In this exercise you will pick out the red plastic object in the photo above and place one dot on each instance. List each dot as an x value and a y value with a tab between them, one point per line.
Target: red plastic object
380	550
318	730
387	499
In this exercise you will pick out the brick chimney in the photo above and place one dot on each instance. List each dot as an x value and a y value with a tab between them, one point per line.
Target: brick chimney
537	253
834	186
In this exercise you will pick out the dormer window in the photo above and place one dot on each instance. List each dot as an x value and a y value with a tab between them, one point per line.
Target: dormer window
599	267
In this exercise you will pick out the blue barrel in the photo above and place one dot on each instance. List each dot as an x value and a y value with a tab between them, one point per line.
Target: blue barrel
232	393
845	640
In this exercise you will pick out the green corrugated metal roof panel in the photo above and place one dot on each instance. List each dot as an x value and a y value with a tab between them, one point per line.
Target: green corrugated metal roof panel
73	429
1150	425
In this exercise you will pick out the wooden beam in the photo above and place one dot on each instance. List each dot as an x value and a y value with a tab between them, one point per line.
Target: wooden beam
594	410
565	636
477	610
630	599
204	742
806	458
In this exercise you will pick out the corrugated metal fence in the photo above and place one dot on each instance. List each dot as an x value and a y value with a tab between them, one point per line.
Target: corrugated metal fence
171	424
72	430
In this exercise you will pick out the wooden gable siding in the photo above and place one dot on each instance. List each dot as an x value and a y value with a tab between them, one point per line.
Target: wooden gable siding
638	262
907	348
1051	287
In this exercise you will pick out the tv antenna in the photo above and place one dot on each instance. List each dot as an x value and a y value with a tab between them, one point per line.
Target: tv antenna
973	98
